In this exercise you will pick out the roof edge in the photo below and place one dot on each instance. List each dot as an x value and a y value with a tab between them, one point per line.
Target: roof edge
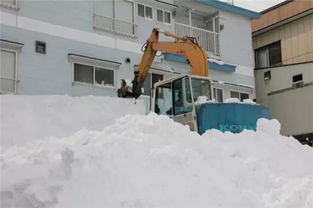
231	8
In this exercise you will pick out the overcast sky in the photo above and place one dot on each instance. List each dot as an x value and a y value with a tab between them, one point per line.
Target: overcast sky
255	5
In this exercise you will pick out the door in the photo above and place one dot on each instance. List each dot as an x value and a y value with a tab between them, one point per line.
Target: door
183	107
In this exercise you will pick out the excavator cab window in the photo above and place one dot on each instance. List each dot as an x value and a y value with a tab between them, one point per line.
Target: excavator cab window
163	99
182	98
201	87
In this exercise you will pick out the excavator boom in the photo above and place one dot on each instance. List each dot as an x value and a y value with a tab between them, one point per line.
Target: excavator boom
183	45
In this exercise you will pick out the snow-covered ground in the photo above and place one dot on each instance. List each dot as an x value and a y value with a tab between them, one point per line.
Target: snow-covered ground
139	161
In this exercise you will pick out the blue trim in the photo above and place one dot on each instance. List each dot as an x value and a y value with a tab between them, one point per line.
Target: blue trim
231	8
224	67
212	65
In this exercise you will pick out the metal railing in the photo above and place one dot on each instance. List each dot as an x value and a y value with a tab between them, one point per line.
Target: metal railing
209	40
114	25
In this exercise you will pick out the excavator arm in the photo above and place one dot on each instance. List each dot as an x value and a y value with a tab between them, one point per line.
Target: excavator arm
183	45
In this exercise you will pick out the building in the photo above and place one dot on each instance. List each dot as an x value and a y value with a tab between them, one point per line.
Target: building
283	45
86	47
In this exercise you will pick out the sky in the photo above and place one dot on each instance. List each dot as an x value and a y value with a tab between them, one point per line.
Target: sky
255	5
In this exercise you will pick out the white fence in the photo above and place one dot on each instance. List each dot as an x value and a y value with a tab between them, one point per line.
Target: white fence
114	25
209	40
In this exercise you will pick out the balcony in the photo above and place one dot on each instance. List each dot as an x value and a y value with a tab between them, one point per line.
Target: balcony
115	25
209	40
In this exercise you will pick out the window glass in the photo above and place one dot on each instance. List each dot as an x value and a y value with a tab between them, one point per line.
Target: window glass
274	54
104	77
234	94
201	87
167	17
141	10
83	73
261	58
218	95
269	55
182	96
297	78
147	85
267	75
148	12
160	15
244	96
163	102
156	78
7	71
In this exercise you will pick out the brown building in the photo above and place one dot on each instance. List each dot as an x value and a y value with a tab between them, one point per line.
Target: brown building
283	45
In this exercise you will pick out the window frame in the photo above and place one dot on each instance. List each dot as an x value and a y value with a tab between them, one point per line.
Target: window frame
267	52
299	81
145	17
163	12
240	92
114	18
44	44
15	72
151	85
213	87
94	66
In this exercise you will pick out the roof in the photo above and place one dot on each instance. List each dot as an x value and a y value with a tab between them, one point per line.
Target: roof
281	13
231	8
276	6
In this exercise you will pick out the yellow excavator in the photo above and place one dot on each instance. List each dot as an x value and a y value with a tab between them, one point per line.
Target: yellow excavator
183	45
178	97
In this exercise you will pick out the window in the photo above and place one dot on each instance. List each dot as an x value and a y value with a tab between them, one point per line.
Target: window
218	95
115	16
40	47
8	71
141	10
150	80
163	16
269	55
93	75
9	3
234	94
182	96
163	99
296	79
145	11
267	75
241	96
201	87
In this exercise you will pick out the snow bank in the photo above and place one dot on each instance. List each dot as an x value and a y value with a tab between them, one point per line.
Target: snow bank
151	161
27	118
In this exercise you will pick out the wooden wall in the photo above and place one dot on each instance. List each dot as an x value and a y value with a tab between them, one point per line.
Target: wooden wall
296	40
285	11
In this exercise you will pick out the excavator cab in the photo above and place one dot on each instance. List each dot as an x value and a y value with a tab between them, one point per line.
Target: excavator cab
177	98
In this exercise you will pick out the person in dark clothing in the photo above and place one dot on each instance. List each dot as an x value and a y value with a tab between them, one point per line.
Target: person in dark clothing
123	91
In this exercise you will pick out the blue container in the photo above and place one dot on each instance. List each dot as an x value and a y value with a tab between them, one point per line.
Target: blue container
233	117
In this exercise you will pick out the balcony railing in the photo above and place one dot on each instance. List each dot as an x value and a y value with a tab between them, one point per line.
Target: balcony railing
209	40
115	25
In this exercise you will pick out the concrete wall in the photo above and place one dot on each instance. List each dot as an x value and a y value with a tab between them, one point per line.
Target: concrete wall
293	107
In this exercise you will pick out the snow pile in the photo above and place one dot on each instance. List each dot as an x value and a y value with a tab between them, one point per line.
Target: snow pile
151	161
236	100
26	118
